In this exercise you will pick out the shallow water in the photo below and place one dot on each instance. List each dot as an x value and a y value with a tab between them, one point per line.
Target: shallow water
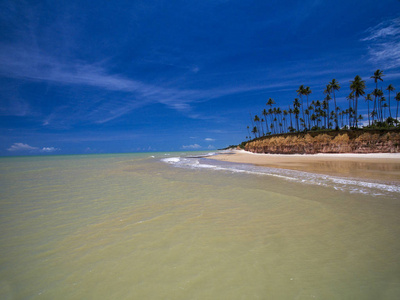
156	226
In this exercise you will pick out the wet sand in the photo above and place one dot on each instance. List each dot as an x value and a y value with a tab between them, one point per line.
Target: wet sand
375	166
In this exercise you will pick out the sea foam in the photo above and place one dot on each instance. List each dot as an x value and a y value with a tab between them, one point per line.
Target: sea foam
343	184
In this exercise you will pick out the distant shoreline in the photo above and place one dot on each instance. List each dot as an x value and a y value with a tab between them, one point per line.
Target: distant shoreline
372	166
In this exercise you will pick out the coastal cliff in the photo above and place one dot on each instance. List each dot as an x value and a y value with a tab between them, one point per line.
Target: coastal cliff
376	141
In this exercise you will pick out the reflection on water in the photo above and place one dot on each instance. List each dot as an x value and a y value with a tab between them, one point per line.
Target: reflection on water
131	227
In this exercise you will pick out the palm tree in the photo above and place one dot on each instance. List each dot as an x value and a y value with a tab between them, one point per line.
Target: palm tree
290	114
318	112
262	126
382	103
270	102
334	86
343	120
257	120
397	100
270	113
351	114
325	107
378	74
373	114
300	92
385	105
307	91
332	117
296	111
265	113
313	118
375	93
390	88
360	117
379	94
328	91
307	113
350	97
367	99
285	113
279	113
303	123
357	87
254	131
338	111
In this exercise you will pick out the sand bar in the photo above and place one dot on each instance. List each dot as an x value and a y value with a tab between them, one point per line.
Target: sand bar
374	166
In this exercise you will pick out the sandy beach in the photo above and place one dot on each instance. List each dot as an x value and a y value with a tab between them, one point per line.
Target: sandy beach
374	166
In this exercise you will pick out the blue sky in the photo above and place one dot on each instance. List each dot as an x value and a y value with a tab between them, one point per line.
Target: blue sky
126	76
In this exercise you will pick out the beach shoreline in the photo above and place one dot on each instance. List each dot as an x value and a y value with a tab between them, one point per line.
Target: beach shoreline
373	166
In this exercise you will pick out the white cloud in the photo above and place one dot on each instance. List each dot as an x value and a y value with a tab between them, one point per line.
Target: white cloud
209	139
383	30
384	44
22	61
210	147
49	149
26	147
194	146
21	147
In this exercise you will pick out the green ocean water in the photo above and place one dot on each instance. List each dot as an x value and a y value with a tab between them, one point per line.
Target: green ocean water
147	226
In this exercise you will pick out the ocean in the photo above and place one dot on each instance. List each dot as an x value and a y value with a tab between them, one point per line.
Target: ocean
181	226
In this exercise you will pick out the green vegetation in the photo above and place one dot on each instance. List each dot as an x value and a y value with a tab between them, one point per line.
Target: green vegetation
318	116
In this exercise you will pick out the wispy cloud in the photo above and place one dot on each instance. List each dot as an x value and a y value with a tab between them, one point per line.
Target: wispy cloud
209	139
384	29
21	147
30	64
49	149
22	63
384	43
34	55
194	146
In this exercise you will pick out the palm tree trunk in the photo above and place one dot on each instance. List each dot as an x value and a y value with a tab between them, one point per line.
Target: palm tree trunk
302	106
336	118
356	115
349	113
262	128
375	108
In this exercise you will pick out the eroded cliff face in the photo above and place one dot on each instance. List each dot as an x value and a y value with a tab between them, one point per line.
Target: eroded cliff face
352	142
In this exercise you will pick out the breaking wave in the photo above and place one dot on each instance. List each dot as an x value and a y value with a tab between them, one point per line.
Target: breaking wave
338	183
